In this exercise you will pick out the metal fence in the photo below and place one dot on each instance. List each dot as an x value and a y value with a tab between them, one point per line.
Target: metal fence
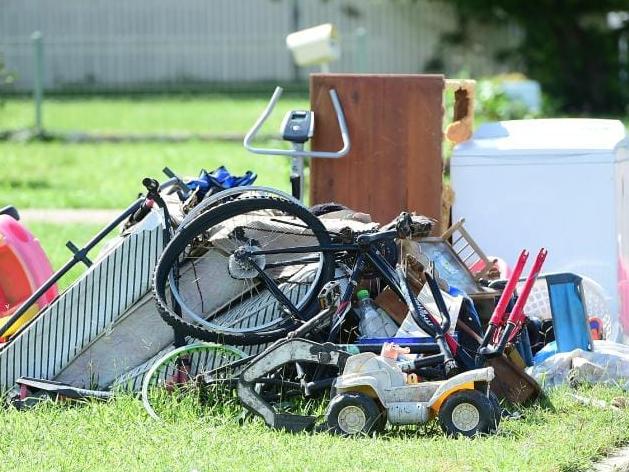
122	44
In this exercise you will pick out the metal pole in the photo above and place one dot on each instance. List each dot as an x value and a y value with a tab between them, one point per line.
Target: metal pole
297	173
38	78
295	25
76	258
361	50
623	55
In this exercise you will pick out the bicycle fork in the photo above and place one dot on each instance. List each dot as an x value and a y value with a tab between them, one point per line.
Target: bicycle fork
426	321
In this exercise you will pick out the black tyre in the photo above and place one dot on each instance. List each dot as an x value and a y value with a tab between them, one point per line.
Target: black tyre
497	409
222	298
467	413
354	413
236	193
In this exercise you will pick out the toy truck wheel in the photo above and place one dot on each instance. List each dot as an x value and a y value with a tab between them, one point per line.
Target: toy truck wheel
354	413
497	410
467	413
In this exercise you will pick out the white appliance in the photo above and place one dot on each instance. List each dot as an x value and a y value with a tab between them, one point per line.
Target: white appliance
562	184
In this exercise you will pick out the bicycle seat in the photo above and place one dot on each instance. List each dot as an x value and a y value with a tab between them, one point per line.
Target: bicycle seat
411	226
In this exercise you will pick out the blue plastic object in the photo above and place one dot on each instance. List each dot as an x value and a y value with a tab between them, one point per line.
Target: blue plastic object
523	345
471	308
400	341
547	351
570	323
219	179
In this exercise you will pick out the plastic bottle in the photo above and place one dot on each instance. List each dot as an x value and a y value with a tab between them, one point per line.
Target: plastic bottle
374	322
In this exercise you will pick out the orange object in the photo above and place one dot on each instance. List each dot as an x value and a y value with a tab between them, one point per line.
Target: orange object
393	351
24	267
597	328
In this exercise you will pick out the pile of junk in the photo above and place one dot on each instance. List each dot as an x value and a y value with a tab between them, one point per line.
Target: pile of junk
216	290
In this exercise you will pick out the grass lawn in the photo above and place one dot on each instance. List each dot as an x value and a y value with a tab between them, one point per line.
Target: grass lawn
120	436
558	436
57	175
198	113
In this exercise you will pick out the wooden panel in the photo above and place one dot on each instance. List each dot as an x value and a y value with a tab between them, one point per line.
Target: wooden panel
395	163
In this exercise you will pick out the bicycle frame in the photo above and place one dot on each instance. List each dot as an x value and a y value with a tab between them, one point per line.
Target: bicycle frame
366	252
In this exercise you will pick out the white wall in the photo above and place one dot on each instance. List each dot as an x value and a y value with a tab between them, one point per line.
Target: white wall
118	43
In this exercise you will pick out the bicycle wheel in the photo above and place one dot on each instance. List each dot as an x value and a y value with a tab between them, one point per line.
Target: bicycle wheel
225	299
234	194
192	381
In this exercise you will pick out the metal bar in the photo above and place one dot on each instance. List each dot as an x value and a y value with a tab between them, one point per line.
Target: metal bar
292	153
305	249
54	278
273	288
517	314
38	78
497	316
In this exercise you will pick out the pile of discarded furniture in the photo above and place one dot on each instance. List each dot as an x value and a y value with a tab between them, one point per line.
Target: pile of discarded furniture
268	302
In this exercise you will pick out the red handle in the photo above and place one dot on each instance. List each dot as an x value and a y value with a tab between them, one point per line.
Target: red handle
517	314
497	317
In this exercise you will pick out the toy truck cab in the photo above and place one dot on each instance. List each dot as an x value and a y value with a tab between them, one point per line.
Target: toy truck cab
373	390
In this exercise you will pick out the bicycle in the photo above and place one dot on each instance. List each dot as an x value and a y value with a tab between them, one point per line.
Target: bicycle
275	271
246	271
273	256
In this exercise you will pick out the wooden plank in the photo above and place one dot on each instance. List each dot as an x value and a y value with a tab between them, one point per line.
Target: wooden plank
395	125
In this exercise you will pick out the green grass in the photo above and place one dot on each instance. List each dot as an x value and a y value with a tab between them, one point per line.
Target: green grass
203	113
53	238
61	175
119	436
57	175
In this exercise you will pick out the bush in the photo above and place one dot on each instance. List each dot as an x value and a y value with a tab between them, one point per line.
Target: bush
493	104
570	48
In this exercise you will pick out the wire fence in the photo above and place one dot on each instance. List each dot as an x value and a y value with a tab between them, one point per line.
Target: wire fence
160	44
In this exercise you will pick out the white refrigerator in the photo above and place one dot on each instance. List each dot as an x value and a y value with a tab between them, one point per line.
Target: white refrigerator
562	184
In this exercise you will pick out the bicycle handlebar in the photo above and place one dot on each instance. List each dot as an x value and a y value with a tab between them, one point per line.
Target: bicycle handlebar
338	109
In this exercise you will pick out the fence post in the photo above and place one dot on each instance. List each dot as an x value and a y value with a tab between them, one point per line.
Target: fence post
38	78
362	53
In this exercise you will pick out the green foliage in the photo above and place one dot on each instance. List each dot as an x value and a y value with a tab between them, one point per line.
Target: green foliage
567	46
6	77
493	104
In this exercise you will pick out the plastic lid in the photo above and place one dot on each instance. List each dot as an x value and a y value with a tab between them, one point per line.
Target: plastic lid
574	136
362	294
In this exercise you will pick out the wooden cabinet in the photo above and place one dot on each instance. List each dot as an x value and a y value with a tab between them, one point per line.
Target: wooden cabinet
395	126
